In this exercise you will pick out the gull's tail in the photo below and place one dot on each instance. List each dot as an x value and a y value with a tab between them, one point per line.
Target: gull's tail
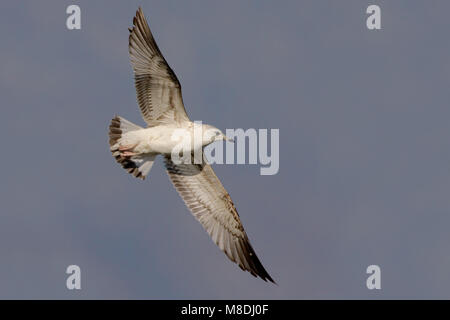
121	147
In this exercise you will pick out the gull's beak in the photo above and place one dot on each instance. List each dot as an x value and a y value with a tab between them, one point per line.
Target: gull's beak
228	139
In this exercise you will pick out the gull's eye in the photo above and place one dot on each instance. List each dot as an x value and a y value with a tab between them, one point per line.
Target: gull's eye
217	133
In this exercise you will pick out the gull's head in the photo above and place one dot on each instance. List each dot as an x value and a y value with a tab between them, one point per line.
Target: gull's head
212	134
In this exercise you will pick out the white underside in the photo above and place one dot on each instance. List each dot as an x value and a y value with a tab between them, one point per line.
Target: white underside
142	145
162	139
156	140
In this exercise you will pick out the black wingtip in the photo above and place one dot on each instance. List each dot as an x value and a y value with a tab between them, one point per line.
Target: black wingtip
257	269
271	280
266	277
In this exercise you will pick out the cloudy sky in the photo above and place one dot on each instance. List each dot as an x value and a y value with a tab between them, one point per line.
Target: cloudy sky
364	149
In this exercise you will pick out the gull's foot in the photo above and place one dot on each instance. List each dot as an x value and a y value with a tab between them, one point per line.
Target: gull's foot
127	154
127	151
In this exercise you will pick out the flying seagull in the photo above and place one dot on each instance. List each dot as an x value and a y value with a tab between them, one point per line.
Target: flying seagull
135	148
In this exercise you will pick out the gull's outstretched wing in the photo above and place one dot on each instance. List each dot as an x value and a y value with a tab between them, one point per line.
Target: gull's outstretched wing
211	205
157	87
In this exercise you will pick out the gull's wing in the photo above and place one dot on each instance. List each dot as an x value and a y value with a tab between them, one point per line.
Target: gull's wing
211	205
157	87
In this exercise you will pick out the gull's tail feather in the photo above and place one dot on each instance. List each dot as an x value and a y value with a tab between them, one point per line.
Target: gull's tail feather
138	165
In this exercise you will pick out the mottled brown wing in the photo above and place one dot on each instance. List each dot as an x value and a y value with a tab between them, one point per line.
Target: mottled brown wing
211	205
157	87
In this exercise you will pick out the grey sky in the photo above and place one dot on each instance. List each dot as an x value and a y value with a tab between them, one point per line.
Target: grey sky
364	149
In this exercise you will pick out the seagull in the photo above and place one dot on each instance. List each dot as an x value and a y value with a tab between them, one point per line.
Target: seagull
135	148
